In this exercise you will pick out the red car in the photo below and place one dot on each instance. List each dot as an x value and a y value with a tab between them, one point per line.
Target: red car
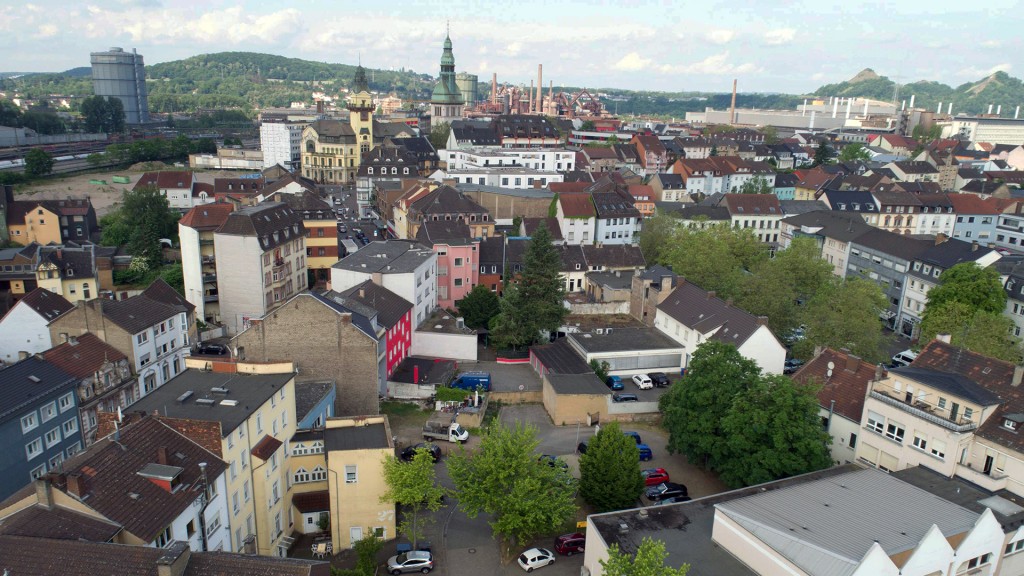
569	544
654	476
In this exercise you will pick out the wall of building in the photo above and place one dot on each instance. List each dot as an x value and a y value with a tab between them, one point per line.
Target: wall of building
762	347
357	505
442	345
19	468
324	346
459	262
747	549
565	409
22	329
399	341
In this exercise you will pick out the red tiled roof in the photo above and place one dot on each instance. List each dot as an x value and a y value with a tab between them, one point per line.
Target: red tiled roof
83	356
641	192
846	385
206	433
167	179
753	204
207	216
570	187
577	205
201	187
307	502
266	447
971	204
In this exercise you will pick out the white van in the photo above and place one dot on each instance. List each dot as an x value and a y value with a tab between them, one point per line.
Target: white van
903	358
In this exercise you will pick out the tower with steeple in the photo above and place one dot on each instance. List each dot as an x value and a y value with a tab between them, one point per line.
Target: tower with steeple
360	110
446	102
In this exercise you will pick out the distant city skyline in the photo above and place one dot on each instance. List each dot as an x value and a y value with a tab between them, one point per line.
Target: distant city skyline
790	46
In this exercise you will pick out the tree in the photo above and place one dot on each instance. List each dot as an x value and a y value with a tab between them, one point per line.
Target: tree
101	114
714	150
823	153
479	306
756	185
773	431
970	284
694	409
714	258
600	368
503	478
610	470
10	114
38	162
142	219
439	135
414	485
854	152
175	277
845	314
534	303
655	236
979	331
771	135
204	146
776	287
648	561
588	126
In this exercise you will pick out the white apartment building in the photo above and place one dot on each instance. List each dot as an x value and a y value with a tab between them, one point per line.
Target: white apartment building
407	268
281	143
198	260
556	159
260	256
515	177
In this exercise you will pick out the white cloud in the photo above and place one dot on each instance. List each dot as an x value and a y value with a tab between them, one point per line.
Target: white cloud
719	36
991	43
975	73
46	31
779	36
632	62
514	48
714	65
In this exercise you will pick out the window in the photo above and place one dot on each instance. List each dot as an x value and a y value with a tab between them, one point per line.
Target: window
49	412
163	539
74	449
1015	547
70	427
350	475
234	469
968	412
34	448
29	422
920	441
66	402
974	563
41	469
53	437
234	502
942	402
245	491
142	338
895	431
938	449
876	422
853	440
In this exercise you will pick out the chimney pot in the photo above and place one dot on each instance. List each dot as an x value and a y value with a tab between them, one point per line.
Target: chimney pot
174	559
161	455
947	338
76	484
852	362
711	294
44	492
1018	374
974	246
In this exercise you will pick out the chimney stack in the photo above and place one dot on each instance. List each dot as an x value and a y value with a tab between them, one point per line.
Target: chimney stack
76	485
974	246
494	88
711	294
161	455
540	88
44	492
1018	374
732	112
852	362
174	559
940	238
943	338
762	320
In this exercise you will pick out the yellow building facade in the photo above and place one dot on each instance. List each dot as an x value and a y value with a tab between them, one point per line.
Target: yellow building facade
356	449
41	225
331	149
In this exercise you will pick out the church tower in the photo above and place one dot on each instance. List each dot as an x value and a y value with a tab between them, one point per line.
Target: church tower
360	111
446	102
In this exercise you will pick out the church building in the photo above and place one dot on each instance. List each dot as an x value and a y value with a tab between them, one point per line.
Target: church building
446	103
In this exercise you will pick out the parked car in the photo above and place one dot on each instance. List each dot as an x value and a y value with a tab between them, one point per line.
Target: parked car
614	382
643	381
569	544
660	379
342	228
536	558
673	500
665	490
645	452
211	349
654	476
553	461
624	398
415	561
410	452
792	365
635	435
903	358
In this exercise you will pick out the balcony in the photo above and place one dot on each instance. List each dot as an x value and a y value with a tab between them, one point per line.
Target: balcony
205	242
924	412
994	481
210	298
209	278
209	259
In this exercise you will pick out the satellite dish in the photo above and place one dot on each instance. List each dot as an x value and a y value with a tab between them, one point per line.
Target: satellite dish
831	365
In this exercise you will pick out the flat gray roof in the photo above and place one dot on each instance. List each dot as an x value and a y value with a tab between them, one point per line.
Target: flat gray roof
245	394
826	526
625	339
356	437
578	384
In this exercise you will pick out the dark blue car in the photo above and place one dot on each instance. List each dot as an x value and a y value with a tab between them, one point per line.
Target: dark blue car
614	382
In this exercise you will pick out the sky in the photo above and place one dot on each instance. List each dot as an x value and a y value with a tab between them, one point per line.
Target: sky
790	46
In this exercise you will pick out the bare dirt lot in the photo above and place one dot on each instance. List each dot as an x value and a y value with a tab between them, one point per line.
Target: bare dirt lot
103	197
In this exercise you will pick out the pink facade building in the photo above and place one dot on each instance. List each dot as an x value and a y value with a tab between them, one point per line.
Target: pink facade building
458	259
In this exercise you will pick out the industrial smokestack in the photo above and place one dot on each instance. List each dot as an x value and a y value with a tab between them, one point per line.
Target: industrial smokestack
912	101
990	109
803	111
732	113
540	87
835	107
529	98
866	102
999	110
1017	113
939	109
903	106
949	109
494	88
810	126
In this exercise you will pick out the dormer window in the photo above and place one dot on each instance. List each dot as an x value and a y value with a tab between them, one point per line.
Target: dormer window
1009	424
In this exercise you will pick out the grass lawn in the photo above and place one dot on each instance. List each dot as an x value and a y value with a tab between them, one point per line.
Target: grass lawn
404	415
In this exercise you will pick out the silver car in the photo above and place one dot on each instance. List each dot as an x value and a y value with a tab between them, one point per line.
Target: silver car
414	561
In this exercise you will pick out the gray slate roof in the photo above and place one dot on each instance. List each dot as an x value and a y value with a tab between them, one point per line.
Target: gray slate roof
29	382
700	310
578	384
390	307
950	382
250	390
46	303
625	339
388	257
